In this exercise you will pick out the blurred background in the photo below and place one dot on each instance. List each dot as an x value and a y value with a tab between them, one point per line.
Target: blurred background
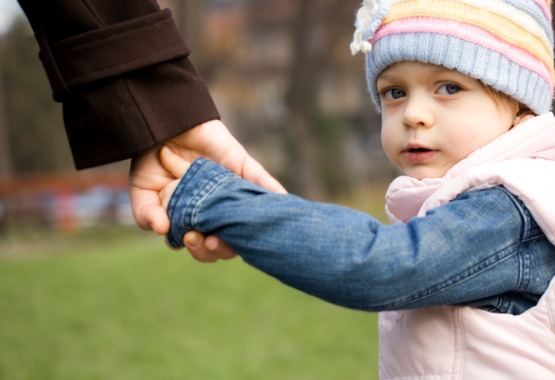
84	294
282	77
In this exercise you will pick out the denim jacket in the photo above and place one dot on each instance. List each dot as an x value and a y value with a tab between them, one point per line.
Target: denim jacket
482	249
486	247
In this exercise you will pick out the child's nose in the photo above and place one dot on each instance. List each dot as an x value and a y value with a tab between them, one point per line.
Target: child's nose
418	114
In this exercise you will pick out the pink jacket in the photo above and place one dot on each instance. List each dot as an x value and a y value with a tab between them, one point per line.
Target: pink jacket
462	342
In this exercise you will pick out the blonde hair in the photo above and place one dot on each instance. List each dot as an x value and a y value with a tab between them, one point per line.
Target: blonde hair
503	100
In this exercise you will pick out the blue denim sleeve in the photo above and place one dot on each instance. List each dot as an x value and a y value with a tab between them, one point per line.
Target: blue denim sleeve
464	251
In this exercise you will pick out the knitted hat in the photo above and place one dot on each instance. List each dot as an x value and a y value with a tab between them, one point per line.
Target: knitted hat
506	44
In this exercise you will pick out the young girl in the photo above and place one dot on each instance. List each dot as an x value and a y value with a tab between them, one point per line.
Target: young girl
463	275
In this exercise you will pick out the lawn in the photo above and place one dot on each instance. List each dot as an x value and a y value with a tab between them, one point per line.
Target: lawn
119	305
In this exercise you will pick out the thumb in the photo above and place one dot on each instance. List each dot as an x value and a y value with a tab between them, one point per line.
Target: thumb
173	163
156	218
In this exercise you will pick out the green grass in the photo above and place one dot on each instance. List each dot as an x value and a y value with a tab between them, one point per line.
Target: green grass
103	306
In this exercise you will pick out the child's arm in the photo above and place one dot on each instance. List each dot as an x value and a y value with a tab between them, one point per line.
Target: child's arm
464	252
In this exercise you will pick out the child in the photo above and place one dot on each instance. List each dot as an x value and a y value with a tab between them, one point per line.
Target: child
463	275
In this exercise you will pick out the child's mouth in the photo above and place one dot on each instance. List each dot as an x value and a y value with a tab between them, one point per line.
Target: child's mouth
418	150
418	155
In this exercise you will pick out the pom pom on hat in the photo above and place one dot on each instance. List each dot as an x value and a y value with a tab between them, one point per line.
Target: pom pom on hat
365	15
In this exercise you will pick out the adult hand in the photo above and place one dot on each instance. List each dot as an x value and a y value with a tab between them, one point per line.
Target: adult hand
208	250
147	177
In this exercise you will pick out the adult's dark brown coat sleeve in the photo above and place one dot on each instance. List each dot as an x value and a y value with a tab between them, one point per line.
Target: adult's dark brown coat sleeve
120	68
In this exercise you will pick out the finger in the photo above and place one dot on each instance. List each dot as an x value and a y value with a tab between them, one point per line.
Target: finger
194	241
166	193
176	165
148	212
218	248
254	172
156	218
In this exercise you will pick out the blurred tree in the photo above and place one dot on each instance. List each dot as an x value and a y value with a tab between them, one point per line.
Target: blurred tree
274	67
189	15
315	135
5	157
306	159
34	121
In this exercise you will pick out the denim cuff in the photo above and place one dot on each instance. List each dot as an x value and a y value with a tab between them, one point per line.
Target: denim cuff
202	178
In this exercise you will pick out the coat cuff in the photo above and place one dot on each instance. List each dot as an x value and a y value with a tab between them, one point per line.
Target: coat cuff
201	180
111	51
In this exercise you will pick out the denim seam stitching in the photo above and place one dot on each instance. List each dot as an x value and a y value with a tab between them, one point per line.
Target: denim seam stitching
524	259
186	213
494	259
205	192
176	211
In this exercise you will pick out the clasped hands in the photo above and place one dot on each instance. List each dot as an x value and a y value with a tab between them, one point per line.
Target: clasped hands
148	177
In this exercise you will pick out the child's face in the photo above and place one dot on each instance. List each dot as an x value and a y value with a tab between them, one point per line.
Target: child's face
434	117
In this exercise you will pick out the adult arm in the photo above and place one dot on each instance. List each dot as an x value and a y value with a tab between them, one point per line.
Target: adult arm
469	251
121	71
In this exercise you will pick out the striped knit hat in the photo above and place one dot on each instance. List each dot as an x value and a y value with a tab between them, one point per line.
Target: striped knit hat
506	44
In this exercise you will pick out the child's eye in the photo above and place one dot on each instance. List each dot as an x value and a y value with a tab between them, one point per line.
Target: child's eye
393	94
449	89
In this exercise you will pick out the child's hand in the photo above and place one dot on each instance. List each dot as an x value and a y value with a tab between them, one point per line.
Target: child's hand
206	250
